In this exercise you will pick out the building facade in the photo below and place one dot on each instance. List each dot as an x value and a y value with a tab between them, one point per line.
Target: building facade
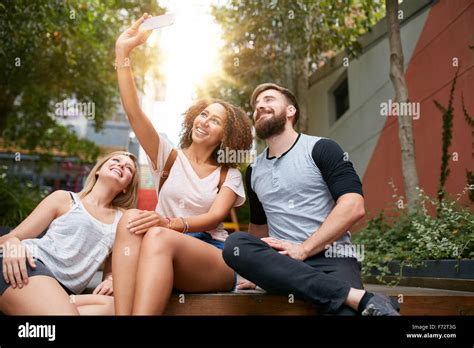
348	99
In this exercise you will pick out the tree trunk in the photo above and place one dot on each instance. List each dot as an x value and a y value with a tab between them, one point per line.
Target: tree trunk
290	78
405	130
302	69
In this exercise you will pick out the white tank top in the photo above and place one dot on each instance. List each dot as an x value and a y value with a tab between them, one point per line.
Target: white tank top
75	246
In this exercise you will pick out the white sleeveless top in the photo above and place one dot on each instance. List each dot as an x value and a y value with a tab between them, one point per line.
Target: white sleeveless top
75	246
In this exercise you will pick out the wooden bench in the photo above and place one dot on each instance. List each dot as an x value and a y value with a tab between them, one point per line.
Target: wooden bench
413	301
243	302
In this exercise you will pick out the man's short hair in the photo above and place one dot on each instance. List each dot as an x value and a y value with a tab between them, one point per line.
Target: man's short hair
290	97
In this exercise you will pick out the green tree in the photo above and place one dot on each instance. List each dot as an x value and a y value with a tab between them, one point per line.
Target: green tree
56	50
285	42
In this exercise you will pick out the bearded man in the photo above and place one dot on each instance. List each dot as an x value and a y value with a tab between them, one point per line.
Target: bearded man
304	197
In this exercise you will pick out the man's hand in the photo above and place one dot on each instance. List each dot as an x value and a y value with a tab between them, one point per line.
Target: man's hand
146	220
295	251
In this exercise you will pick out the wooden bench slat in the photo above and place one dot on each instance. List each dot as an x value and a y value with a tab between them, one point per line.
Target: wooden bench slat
236	304
414	301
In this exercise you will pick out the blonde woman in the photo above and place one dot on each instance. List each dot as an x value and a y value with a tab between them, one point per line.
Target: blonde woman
38	275
180	244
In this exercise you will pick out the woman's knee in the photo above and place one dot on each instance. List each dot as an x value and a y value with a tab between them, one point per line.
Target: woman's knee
158	239
126	243
122	230
128	215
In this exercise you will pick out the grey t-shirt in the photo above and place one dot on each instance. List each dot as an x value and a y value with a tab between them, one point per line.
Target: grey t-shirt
295	192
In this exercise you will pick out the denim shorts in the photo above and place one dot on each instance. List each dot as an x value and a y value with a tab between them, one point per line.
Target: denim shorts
40	270
206	237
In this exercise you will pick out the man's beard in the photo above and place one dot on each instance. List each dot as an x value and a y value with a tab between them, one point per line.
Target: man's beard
271	126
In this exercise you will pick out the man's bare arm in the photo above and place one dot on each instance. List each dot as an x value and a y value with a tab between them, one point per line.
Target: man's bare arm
348	210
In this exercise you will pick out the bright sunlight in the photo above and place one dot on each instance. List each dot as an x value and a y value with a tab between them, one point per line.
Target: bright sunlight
190	48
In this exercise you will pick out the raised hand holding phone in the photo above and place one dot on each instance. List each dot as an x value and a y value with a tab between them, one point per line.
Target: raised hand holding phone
139	32
134	36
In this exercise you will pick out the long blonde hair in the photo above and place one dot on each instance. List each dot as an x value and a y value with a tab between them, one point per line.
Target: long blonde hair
126	200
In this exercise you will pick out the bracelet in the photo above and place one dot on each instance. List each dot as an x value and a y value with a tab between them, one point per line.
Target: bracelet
172	224
169	223
185	225
126	64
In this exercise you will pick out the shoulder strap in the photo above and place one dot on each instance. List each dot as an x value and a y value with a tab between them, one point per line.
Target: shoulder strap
118	215
224	171
73	198
166	170
169	163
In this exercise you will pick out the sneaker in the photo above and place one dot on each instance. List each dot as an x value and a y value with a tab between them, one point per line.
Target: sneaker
379	305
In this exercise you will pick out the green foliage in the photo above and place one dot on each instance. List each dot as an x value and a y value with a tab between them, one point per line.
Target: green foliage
280	40
469	174
418	236
470	182
447	137
17	199
467	117
56	50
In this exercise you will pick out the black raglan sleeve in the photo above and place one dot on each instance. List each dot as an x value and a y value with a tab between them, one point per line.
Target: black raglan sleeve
337	171
257	214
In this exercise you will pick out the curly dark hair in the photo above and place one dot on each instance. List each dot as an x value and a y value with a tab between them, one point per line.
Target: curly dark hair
237	128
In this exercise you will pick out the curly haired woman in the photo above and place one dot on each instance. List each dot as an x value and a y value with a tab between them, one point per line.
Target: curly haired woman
180	244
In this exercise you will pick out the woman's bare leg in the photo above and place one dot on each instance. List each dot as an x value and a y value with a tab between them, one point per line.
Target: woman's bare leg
124	264
42	296
94	304
170	258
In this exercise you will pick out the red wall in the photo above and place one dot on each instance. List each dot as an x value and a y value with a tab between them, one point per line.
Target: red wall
147	199
448	32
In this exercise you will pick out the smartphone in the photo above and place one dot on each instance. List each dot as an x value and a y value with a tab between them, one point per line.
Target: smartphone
158	22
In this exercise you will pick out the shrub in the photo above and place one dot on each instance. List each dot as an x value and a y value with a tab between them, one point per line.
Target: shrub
17	199
412	238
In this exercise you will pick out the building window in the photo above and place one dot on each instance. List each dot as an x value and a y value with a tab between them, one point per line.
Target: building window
341	98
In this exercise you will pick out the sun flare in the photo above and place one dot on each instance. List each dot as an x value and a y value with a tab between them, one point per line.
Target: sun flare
191	52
